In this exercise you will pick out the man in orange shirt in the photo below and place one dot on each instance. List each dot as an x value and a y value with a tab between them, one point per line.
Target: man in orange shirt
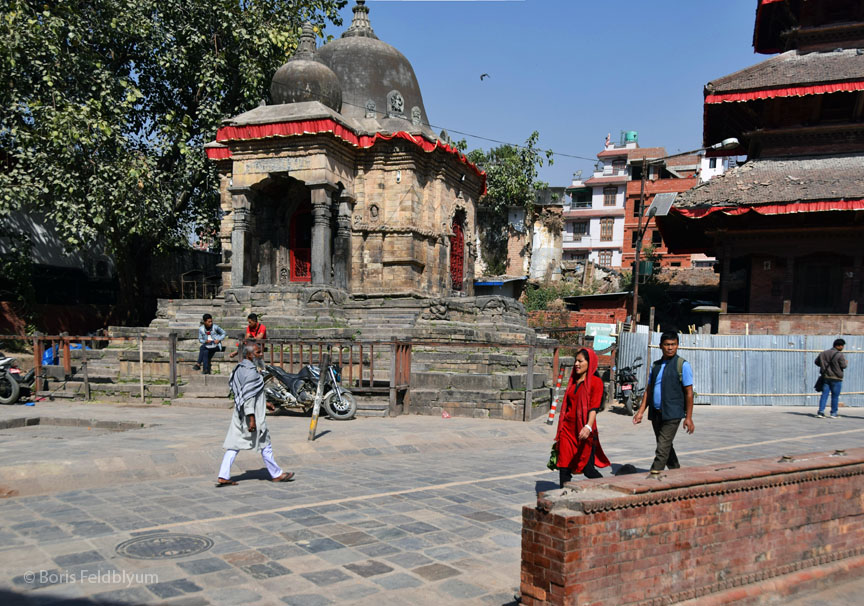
255	333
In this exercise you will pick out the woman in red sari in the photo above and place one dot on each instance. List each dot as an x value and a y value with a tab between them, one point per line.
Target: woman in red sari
579	449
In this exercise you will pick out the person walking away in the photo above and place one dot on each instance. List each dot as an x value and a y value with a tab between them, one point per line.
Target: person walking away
668	398
255	332
831	363
248	427
210	337
579	449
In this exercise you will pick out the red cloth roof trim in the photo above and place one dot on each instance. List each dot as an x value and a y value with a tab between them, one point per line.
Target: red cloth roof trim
795	91
773	209
312	127
218	153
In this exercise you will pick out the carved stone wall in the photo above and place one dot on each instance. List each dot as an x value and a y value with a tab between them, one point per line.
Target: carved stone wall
384	228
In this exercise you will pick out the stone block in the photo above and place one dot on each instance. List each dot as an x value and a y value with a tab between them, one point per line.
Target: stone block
429	380
479	381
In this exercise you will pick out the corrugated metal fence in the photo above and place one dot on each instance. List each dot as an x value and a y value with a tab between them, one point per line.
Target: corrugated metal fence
752	370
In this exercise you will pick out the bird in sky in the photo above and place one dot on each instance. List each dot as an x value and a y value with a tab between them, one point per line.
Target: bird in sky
483	76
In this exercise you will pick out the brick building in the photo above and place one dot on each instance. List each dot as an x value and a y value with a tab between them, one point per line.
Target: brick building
602	219
787	225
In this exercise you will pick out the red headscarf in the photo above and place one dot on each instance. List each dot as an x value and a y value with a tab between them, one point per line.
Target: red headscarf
579	400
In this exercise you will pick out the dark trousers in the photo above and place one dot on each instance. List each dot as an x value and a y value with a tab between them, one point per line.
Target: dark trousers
205	355
589	471
664	432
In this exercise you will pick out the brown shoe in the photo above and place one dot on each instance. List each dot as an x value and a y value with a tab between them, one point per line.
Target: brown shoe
287	476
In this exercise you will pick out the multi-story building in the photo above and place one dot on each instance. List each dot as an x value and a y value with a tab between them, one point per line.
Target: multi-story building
786	225
602	219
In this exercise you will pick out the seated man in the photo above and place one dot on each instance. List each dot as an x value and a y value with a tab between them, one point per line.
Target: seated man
256	332
210	337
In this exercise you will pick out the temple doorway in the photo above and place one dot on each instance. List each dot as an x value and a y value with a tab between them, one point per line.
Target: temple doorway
300	244
457	252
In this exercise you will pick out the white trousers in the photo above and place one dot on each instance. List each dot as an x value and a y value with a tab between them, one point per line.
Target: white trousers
266	454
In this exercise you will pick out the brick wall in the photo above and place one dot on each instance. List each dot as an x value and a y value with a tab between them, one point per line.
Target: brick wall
576	319
734	534
791	324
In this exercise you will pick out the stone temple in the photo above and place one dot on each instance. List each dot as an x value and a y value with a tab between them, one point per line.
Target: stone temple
340	181
347	220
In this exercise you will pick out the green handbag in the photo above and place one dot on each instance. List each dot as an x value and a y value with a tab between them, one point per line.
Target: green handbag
553	457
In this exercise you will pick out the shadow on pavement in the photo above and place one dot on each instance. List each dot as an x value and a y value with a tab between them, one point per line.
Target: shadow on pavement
544	485
812	415
10	598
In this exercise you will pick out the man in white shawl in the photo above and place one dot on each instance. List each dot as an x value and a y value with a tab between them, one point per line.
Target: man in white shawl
248	428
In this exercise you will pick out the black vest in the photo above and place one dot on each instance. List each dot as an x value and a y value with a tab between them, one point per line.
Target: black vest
673	404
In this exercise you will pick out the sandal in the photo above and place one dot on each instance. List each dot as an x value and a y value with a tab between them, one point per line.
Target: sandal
287	476
220	483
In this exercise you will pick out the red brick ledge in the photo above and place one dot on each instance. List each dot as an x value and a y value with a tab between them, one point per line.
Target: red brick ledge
637	490
816	577
736	590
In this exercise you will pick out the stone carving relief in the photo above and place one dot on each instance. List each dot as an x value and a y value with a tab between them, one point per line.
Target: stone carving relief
373	214
284	277
370	109
395	104
437	310
416	116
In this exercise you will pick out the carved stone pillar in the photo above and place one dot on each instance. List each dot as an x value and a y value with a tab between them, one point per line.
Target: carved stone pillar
321	235
342	244
788	285
725	270
241	201
857	279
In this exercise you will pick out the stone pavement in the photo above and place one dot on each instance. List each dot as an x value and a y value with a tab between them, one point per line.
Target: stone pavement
411	510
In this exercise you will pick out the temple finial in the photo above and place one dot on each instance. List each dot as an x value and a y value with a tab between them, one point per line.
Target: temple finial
307	46
360	25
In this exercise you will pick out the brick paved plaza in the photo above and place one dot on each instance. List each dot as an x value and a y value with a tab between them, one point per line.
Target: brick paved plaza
411	510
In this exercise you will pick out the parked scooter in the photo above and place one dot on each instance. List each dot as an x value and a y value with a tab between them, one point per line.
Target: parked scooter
627	381
14	385
297	391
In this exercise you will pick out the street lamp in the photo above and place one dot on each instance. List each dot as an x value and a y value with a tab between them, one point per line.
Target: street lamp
730	143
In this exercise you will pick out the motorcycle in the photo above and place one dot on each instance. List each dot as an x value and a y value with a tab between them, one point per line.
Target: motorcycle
297	391
14	385
626	382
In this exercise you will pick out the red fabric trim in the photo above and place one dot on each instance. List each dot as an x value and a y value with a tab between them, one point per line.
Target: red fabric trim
309	127
794	91
773	209
764	2
218	153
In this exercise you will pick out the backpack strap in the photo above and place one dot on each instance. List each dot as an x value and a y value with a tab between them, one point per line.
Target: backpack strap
680	364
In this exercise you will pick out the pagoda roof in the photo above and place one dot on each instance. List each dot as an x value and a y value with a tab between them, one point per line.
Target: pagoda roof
807	181
791	74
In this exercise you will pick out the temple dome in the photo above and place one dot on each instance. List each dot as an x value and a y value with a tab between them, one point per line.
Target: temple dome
305	78
378	82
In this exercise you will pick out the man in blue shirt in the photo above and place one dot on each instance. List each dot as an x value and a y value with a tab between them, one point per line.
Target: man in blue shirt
668	398
210	337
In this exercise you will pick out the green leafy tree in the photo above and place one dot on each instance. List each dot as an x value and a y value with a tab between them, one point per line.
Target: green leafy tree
105	106
511	180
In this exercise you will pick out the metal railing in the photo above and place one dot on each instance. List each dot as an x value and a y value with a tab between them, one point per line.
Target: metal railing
361	361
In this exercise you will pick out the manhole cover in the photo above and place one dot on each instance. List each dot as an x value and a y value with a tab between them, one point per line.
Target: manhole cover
164	546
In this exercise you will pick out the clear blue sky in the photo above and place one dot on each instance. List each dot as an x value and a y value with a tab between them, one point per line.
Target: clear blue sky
573	70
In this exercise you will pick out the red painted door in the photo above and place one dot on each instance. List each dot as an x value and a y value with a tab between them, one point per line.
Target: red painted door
300	247
457	255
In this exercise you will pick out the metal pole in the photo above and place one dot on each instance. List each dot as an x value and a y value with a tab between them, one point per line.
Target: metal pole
141	364
394	372
172	363
638	246
529	386
316	408
37	363
86	379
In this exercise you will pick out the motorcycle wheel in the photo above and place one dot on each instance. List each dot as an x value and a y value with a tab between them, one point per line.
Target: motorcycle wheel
628	404
9	389
340	411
